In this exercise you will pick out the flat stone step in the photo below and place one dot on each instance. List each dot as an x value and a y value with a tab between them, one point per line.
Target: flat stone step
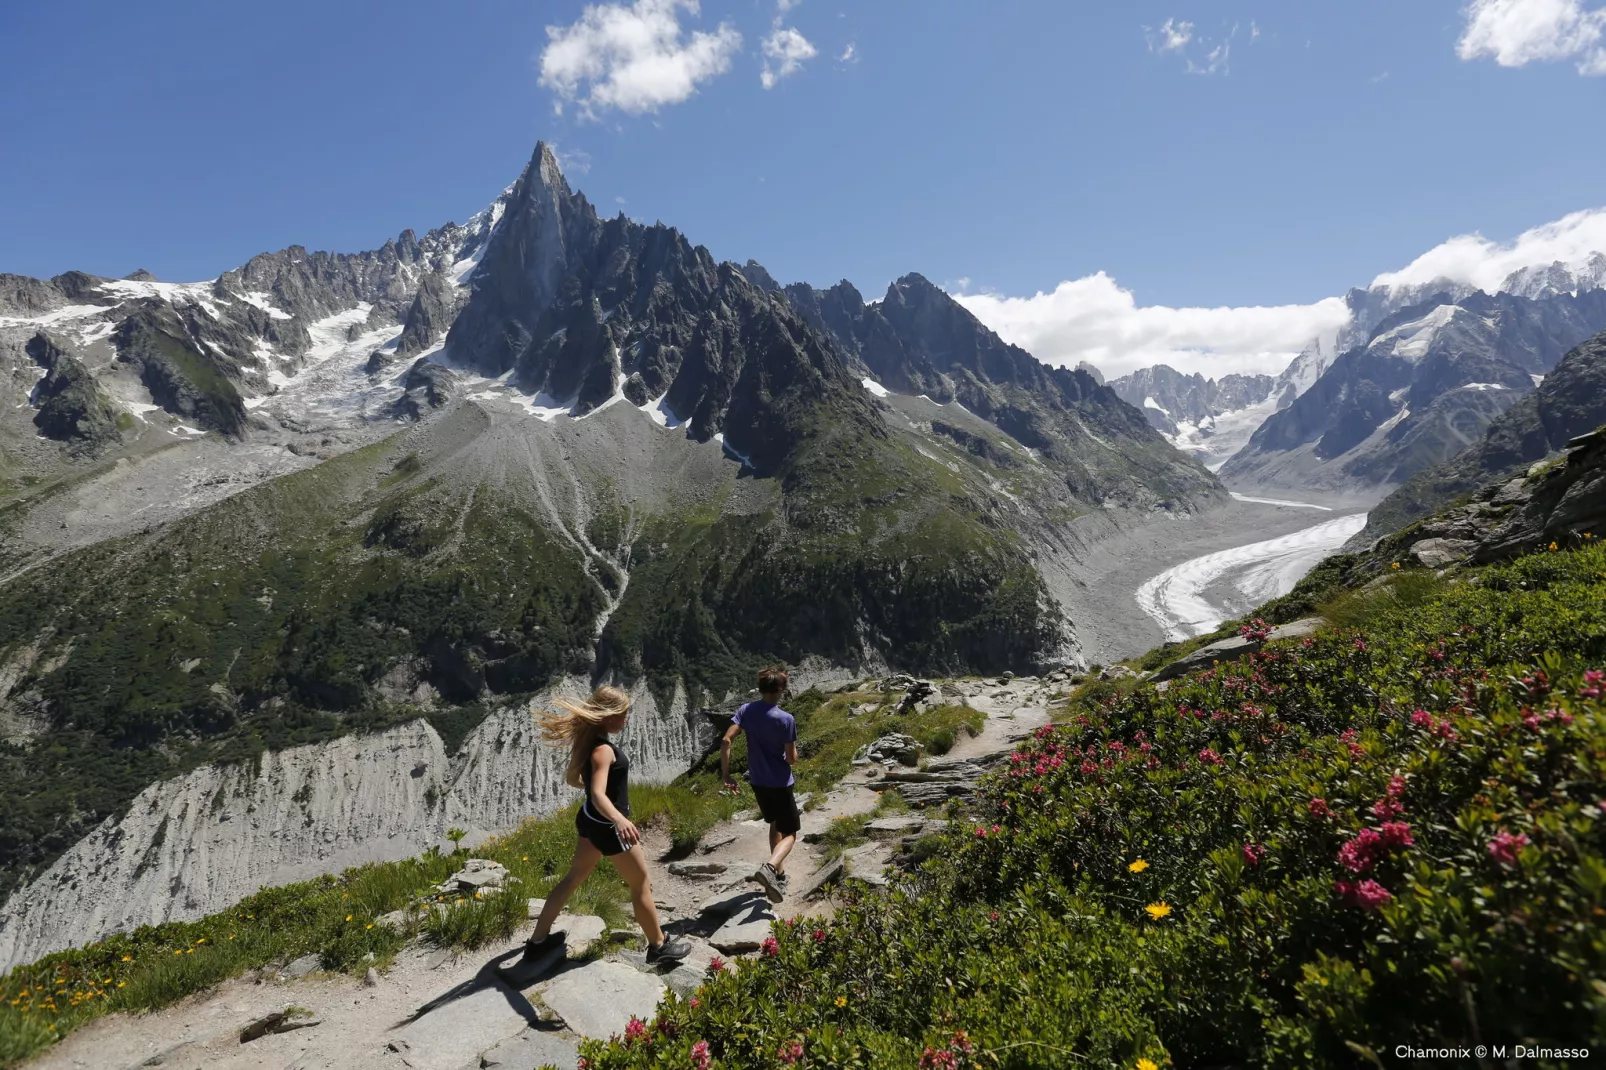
598	999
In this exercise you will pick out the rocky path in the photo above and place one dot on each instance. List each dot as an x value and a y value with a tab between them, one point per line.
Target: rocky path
442	1010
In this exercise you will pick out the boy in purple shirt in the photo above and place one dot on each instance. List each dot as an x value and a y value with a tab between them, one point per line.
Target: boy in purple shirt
771	753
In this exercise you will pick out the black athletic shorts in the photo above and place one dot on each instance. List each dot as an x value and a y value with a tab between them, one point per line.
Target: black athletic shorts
779	807
604	834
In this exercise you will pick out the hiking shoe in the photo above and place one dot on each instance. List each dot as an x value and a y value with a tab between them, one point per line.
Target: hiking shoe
774	884
673	949
534	949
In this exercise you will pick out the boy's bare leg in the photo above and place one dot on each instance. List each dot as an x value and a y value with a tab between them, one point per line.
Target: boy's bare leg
780	847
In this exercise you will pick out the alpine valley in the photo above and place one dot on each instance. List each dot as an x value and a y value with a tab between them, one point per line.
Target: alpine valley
287	552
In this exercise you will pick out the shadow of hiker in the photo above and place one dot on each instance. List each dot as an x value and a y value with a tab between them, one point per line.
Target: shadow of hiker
491	976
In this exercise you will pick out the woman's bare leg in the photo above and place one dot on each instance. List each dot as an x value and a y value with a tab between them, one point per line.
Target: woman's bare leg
585	860
632	866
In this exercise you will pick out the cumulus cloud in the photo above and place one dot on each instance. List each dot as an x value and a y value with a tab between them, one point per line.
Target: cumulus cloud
1476	261
633	57
1096	320
785	51
1515	33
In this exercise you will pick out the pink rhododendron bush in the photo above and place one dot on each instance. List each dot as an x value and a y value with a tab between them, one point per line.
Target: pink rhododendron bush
1388	834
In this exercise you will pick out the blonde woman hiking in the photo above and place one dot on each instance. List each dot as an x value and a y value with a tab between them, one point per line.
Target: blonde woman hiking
602	771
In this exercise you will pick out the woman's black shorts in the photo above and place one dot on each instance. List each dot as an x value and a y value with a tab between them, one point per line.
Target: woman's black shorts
603	834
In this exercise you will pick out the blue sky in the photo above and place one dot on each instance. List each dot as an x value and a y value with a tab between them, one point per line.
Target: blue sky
1004	147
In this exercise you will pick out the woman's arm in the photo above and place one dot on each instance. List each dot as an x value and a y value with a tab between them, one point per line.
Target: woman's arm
601	762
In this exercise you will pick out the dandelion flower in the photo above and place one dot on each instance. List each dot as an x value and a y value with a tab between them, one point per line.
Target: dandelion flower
1158	910
1553	546
128	958
348	917
1137	867
1147	1064
842	1001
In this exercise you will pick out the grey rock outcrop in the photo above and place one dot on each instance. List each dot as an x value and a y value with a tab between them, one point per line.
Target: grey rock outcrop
1233	649
72	408
426	386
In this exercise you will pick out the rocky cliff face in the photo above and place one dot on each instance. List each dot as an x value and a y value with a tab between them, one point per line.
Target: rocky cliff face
1426	383
191	846
1208	418
1570	401
919	341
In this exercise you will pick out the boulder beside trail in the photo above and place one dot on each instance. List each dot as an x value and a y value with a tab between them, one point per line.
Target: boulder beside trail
895	748
1232	649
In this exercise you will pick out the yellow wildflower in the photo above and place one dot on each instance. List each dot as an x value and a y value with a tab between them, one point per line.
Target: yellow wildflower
1553	546
1158	910
370	925
202	940
1137	867
122	984
128	958
1395	565
348	917
1147	1064
842	1001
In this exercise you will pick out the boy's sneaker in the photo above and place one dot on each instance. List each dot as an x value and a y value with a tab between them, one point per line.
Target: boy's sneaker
673	949
774	884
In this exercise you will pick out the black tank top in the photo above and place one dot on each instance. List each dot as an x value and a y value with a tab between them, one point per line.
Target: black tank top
618	790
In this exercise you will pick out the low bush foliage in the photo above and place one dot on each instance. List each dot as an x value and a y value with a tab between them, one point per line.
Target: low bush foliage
1371	837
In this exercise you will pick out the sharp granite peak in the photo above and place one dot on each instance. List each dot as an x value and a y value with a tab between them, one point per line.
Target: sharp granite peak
330	505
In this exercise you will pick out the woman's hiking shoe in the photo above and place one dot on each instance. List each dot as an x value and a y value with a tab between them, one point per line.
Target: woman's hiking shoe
673	949
534	949
774	884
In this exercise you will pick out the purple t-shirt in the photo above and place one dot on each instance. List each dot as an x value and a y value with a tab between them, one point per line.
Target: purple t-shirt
769	729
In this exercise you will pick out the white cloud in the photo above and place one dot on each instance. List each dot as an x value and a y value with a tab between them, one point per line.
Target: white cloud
1200	55
1095	320
850	54
1476	261
632	57
1174	36
783	6
1515	33
785	51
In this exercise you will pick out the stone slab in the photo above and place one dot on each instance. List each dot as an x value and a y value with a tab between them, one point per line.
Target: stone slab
533	1047
731	902
454	1033
886	828
599	999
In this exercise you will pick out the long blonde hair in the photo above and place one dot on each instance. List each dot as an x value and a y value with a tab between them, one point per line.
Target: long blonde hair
579	725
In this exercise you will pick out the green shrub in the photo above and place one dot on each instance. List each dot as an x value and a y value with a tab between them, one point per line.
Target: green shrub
1362	839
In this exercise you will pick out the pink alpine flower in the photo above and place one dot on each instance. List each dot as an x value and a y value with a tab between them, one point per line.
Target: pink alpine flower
716	964
1360	854
1594	684
1368	895
1387	808
1396	835
635	1029
1318	808
699	1055
1505	847
1253	854
819	936
1209	757
1396	786
790	1053
938	1059
771	947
